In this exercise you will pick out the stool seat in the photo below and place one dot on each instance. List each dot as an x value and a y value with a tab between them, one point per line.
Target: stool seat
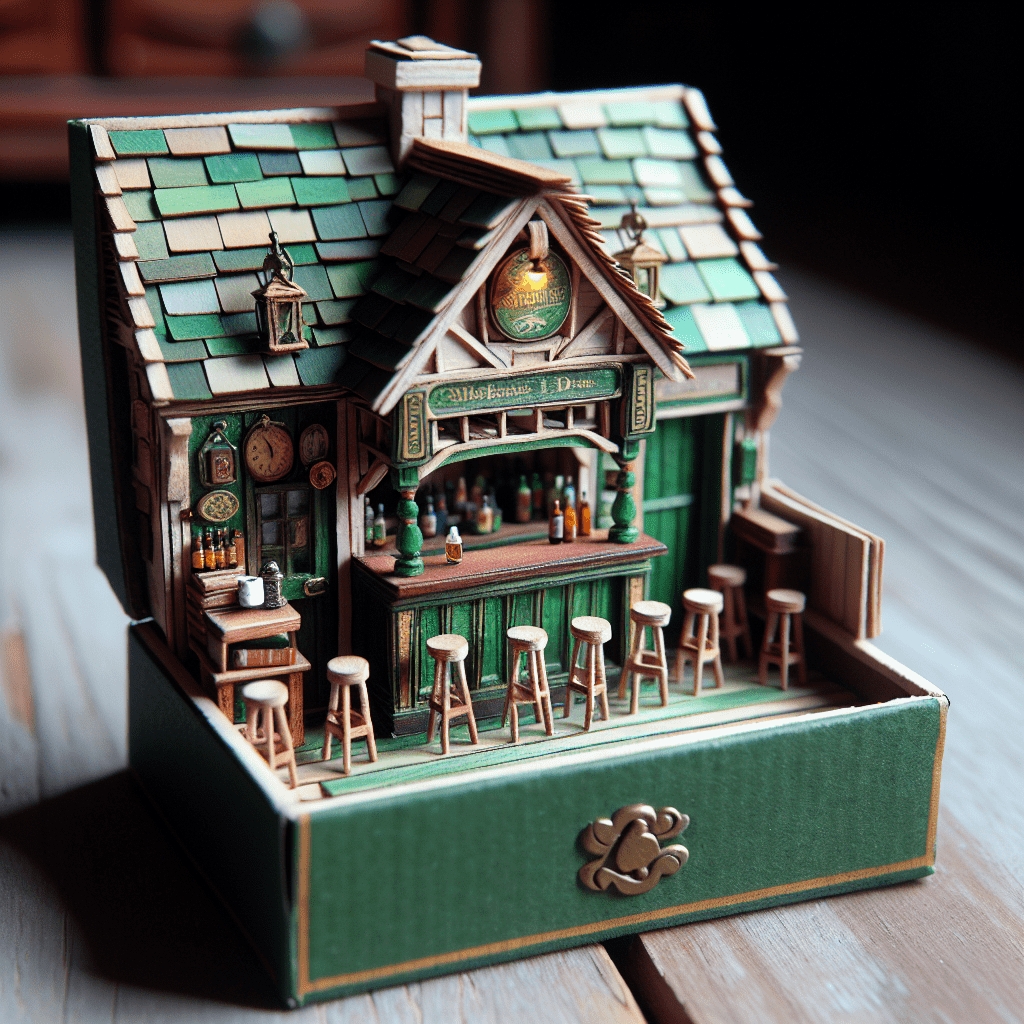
702	607
266	698
343	673
641	662
588	679
785	608
730	580
531	641
449	649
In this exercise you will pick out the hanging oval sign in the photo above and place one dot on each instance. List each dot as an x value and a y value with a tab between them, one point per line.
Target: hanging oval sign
217	506
530	300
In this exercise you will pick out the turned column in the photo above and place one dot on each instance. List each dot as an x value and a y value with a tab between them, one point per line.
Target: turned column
409	538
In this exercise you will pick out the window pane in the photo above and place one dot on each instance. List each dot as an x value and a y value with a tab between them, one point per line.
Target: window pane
270	505
298	502
271	534
299	533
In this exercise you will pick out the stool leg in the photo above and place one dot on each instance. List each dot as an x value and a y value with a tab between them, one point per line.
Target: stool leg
364	706
632	669
604	682
591	668
784	649
332	706
532	675
515	722
798	645
446	707
545	692
572	678
716	642
461	665
729	613
742	621
681	650
346	729
698	658
512	680
769	633
636	645
659	651
435	698
289	751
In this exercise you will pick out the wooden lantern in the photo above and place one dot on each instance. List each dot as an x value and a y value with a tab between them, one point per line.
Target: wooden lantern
279	303
642	261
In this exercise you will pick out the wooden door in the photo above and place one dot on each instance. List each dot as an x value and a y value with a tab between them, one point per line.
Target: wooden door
681	504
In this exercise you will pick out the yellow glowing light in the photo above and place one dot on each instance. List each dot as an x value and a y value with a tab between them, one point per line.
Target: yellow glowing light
537	277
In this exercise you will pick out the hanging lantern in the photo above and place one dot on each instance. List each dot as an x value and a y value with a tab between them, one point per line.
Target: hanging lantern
641	261
217	458
279	303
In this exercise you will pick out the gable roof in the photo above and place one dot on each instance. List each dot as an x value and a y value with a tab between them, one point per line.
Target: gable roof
191	206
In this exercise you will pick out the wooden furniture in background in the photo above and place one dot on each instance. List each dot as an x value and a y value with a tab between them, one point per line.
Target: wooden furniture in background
783	606
344	673
702	609
642	662
529	641
449	649
265	700
730	581
588	678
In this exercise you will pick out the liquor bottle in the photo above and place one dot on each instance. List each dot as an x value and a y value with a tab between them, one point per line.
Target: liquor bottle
230	553
485	516
219	555
524	502
537	495
556	524
461	497
197	551
380	530
569	530
584	516
476	492
549	493
441	511
368	523
428	519
239	541
568	495
209	558
496	513
453	546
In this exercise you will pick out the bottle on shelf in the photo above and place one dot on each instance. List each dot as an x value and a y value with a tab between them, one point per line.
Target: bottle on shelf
569	529
380	530
219	554
453	546
537	495
238	540
461	496
556	524
524	501
428	519
230	554
476	492
568	494
583	515
484	515
441	511
209	557
368	523
496	514
197	551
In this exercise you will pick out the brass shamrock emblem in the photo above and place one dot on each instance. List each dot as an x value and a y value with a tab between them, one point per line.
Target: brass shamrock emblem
629	854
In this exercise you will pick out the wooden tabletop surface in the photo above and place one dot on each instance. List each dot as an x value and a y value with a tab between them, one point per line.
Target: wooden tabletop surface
910	433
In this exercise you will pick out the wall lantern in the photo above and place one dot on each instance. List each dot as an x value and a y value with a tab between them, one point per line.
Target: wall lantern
642	261
279	303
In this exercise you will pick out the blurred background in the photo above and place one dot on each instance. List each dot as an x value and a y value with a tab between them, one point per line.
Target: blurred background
875	141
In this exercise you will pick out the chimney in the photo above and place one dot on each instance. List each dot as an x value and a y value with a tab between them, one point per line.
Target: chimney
424	86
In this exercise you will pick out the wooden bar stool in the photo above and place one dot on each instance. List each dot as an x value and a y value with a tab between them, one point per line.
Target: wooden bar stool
702	608
782	606
588	679
730	580
348	725
531	641
266	698
642	662
446	650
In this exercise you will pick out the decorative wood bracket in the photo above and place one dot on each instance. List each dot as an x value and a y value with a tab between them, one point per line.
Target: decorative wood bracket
629	854
779	364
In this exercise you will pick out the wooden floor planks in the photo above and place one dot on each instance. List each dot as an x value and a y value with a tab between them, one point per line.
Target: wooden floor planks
906	433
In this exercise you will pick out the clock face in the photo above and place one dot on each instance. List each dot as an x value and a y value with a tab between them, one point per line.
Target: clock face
268	452
313	444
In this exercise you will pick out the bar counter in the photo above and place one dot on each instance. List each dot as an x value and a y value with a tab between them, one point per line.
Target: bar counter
529	583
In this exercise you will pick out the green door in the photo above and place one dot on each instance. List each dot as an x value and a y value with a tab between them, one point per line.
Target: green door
682	498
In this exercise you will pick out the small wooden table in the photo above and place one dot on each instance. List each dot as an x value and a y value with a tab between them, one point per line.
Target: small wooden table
226	626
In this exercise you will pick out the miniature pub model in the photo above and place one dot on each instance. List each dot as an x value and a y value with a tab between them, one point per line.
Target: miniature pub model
410	422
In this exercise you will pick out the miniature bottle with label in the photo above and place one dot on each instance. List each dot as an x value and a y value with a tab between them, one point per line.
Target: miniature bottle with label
230	554
476	492
197	551
537	495
428	519
496	516
584	516
368	523
380	530
453	546
556	524
569	530
239	542
524	501
461	496
209	557
485	516
219	555
568	495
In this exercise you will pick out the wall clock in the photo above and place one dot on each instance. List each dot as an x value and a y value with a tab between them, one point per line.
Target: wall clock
313	444
269	454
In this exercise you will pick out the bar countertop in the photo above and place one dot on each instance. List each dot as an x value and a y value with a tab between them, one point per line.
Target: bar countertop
524	561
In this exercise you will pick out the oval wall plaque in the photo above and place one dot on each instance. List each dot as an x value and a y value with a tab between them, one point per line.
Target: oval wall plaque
530	301
217	506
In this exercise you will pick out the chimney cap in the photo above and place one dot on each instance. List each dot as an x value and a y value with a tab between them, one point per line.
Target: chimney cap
420	63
